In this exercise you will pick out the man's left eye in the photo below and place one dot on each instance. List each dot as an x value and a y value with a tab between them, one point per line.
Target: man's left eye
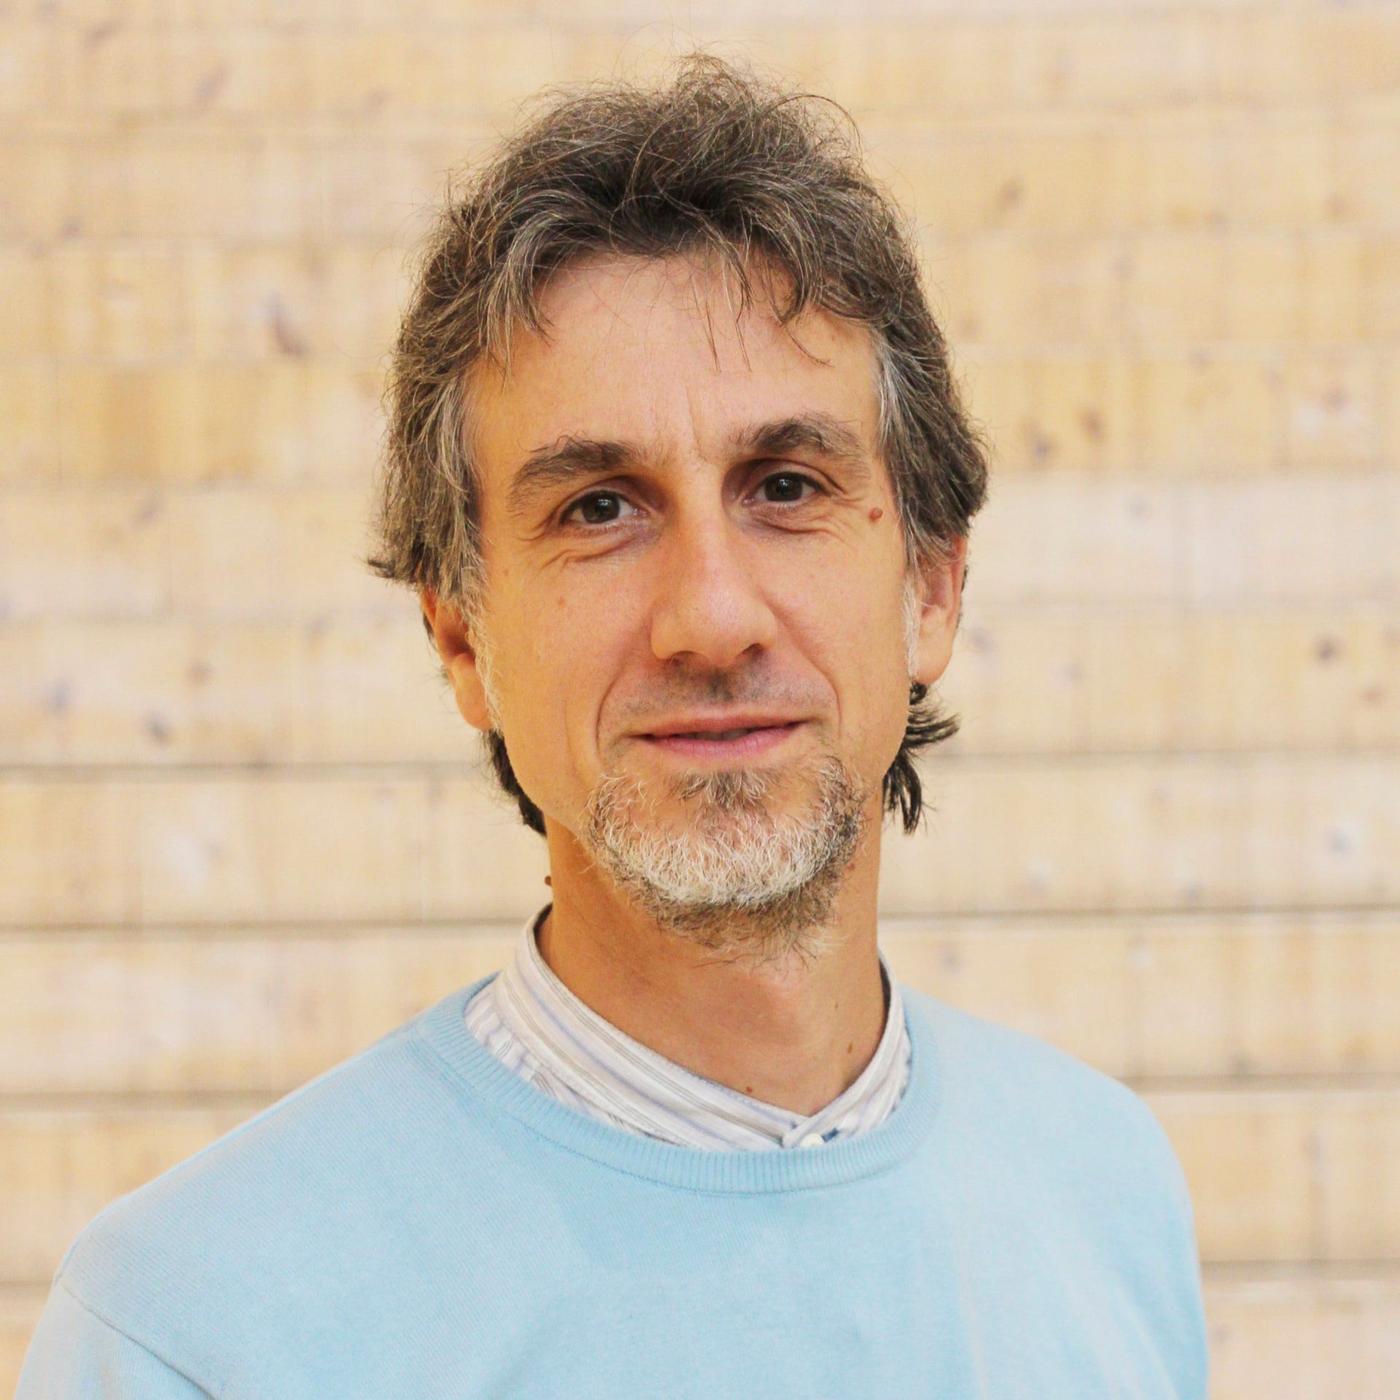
790	485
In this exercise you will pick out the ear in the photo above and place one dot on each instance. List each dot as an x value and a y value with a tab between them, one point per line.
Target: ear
940	592
453	642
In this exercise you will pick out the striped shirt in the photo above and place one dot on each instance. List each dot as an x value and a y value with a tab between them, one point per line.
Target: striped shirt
530	1021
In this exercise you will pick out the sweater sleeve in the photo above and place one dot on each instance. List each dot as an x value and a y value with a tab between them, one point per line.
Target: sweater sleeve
1183	1308
75	1355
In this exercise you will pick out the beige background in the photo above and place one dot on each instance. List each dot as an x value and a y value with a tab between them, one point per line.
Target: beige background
242	831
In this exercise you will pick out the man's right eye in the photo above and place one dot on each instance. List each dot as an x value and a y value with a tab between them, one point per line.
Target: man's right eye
598	507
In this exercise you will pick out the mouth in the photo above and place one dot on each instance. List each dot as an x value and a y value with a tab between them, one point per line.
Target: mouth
728	743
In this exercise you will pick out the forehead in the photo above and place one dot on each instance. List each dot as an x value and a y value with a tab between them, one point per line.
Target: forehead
656	353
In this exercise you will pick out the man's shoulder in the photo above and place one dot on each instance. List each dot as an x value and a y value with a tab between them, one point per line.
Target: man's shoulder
1049	1104
1073	1165
214	1230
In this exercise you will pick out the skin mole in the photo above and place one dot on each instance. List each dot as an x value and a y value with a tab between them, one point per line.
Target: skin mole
875	512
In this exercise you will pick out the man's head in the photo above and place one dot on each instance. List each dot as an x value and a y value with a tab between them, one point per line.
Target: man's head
672	440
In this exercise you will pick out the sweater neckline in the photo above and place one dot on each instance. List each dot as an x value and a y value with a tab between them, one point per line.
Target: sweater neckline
442	1030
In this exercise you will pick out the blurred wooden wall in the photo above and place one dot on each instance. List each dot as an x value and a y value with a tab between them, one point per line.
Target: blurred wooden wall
242	829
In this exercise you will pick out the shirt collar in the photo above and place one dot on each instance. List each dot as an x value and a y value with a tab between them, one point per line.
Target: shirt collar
624	1080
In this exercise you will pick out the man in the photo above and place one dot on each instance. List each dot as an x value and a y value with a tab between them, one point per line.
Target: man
678	474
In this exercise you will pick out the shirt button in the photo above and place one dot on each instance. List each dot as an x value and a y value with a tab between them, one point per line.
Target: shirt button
811	1140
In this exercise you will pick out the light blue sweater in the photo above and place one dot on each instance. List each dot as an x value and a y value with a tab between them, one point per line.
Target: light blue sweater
420	1222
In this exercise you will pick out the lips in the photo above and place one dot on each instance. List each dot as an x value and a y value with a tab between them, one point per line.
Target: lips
718	726
742	743
717	734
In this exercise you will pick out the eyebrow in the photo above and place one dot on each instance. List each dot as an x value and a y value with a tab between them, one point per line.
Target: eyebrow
571	458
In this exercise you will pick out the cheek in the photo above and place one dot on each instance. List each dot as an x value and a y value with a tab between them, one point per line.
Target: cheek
566	668
872	660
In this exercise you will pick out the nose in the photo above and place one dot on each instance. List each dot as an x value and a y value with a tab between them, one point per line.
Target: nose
709	604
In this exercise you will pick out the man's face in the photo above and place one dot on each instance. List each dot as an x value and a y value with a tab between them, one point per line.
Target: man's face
686	526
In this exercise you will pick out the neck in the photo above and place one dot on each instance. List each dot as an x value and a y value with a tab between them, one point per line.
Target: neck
794	1031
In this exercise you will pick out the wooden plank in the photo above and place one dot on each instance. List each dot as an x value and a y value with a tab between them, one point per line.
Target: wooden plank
1059	170
384	71
1014	304
1001	836
29	402
1313	285
100	552
289	421
1198	165
84	552
1252	994
216	180
232	553
1303	1335
368	689
1219	409
255	1013
60	1166
349	689
220	304
1100	58
1208	543
1247	998
152	303
1152	833
1237	996
330	848
297	420
1289	1175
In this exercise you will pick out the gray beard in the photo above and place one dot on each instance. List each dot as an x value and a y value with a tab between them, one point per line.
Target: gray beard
749	886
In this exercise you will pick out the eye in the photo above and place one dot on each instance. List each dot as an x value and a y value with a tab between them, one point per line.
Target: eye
790	486
599	508
603	508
